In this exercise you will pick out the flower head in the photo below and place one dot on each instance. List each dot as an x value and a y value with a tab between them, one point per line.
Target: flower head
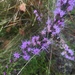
70	52
16	55
59	12
48	21
24	45
26	57
35	11
57	29
36	51
69	57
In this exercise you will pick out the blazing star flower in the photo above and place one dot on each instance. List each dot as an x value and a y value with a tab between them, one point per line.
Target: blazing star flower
49	28
71	52
68	53
4	73
28	42
61	23
16	55
48	42
36	14
64	1
57	29
66	47
69	57
72	58
34	40
26	57
58	11
24	45
48	21
43	32
71	4
38	42
69	8
63	53
45	46
58	4
36	51
37	38
24	52
35	11
39	18
44	40
29	49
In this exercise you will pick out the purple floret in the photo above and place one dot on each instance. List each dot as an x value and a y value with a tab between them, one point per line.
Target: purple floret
59	12
26	57
16	55
24	45
36	51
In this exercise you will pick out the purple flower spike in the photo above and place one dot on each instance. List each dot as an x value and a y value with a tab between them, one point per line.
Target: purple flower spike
51	30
